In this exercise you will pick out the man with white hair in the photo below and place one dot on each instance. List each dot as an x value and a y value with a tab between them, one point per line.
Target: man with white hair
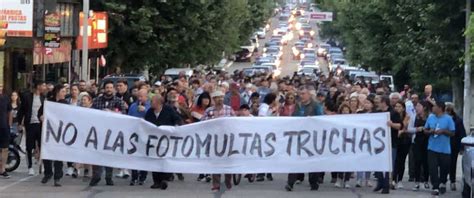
161	115
394	98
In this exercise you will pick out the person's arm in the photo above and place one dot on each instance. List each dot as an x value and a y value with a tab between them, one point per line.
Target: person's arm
448	132
10	114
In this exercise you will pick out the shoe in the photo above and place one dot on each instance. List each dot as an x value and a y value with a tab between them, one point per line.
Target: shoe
155	186
45	179
393	185
368	183
288	188
208	178
170	178
109	182
141	182
56	183
347	185
260	178
314	186
120	174
385	191
416	188
338	184
133	182
442	188
215	189
333	180
435	192
94	181
75	173
86	173
298	182
427	186
453	186
269	177
320	180
180	177
378	187
69	171
31	172
399	185
411	179
200	177
5	175
126	174
358	184
163	185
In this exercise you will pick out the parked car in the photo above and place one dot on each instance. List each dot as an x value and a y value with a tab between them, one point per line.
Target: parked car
175	72
261	33
468	167
323	49
244	55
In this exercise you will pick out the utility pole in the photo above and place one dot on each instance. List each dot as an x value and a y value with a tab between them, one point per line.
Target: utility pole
85	39
467	72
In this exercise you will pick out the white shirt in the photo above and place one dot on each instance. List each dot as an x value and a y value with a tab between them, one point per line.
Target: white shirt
35	108
264	110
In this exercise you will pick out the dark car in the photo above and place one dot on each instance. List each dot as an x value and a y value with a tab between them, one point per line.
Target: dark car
244	55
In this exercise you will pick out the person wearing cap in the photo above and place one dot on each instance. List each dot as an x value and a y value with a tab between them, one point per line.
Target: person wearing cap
233	98
219	109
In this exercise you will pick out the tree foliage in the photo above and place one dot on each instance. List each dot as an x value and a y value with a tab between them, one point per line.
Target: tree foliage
159	34
418	41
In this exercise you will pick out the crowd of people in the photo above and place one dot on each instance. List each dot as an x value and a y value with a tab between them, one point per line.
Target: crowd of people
424	130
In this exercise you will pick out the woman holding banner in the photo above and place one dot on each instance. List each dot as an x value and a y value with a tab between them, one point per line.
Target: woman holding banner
58	95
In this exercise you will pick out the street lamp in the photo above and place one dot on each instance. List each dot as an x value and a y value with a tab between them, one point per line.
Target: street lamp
85	39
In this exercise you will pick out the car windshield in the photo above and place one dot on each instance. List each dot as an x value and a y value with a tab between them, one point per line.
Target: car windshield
273	49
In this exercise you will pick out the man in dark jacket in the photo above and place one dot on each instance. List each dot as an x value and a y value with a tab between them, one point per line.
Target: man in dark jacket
161	115
31	102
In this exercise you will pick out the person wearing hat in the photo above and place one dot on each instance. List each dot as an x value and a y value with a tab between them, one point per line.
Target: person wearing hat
219	109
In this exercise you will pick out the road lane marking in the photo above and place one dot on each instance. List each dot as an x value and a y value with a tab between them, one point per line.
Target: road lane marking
15	183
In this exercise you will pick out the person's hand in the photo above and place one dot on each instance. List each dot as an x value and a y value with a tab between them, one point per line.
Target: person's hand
389	123
438	132
401	132
141	108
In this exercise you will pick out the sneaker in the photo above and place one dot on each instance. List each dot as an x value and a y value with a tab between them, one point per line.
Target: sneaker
126	174
427	186
200	177
69	171
442	188
56	183
393	185
314	186
94	181
208	178
75	173
298	182
338	184
133	182
269	177
368	183
385	191
416	188
120	174
435	192
453	186
180	177
399	185
86	173
216	189
109	182
346	185
288	188
260	178
358	183
5	175
31	172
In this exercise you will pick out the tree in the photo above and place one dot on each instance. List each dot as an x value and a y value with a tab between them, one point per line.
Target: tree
419	42
158	35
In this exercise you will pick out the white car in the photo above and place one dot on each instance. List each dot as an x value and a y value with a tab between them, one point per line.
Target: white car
261	33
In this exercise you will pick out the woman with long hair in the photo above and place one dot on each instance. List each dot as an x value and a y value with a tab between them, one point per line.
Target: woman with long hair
460	133
288	107
420	146
203	102
403	146
343	177
15	105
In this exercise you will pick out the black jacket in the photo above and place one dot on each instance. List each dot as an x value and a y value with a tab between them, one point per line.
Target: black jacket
168	117
24	112
40	111
459	134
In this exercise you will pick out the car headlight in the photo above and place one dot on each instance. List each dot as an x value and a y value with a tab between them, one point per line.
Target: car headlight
298	26
310	45
320	50
301	32
264	49
312	32
302	56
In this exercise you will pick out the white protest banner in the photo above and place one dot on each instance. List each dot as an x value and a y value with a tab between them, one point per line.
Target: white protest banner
342	143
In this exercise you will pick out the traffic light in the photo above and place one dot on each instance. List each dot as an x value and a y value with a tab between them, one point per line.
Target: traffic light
3	33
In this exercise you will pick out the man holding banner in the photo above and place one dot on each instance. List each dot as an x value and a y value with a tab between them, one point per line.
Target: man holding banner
306	107
107	102
217	111
161	115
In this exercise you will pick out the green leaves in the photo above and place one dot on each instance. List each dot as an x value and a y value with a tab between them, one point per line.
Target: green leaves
159	34
416	41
